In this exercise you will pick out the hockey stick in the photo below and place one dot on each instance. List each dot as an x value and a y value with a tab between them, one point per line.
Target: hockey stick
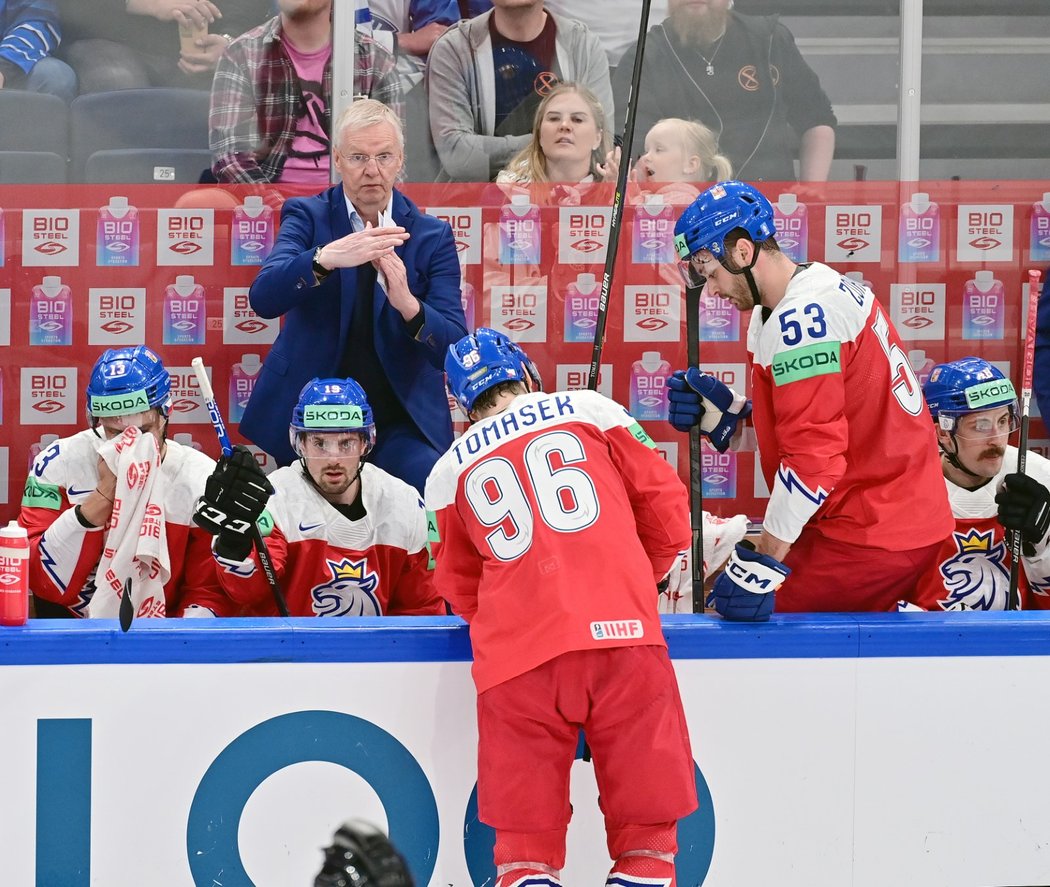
617	207
696	491
1012	600
227	449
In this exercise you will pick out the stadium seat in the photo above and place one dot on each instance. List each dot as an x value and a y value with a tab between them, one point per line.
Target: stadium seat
32	168
34	138
170	121
161	165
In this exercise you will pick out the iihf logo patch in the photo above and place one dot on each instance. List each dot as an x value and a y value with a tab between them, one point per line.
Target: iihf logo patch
352	591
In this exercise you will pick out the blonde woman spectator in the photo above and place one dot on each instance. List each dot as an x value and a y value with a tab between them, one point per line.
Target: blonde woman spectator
570	142
677	153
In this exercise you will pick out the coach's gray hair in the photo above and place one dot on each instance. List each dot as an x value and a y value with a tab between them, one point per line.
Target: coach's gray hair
363	113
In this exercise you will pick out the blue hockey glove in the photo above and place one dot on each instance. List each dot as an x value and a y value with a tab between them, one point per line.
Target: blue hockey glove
695	397
745	591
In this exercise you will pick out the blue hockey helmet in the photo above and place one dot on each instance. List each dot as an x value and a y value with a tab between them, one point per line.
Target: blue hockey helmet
483	359
704	224
968	385
125	381
332	405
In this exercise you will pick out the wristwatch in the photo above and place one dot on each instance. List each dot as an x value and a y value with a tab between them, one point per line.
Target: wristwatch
320	272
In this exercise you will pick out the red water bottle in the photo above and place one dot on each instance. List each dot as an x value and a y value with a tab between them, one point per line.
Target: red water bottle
14	574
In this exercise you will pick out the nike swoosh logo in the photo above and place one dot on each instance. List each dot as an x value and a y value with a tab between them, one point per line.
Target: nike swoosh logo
308	527
71	492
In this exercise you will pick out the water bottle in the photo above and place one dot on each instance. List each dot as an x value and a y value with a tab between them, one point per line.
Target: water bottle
14	574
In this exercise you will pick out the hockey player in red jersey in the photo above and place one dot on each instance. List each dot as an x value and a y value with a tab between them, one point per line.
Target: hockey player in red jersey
555	518
974	409
68	503
345	537
857	508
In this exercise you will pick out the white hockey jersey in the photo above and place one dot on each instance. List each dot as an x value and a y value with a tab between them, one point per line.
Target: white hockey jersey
329	565
973	570
64	554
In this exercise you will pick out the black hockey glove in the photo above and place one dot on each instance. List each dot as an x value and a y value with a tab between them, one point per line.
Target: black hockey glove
1024	507
234	497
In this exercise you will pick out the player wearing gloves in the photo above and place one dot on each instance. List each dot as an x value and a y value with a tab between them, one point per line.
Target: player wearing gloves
68	504
345	537
975	410
555	517
857	509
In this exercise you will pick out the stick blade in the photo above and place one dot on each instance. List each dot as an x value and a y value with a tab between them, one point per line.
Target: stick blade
127	609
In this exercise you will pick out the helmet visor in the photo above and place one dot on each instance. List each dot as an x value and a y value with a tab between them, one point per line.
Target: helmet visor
693	271
984	425
329	445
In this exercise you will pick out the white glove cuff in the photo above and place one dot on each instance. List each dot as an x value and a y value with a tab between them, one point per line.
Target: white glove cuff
753	576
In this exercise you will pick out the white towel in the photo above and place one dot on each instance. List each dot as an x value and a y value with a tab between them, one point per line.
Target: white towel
136	542
720	537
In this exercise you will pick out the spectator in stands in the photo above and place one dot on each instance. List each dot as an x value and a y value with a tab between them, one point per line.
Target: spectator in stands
677	153
487	75
29	35
974	410
743	77
614	22
113	44
78	536
369	287
347	538
413	25
570	142
271	100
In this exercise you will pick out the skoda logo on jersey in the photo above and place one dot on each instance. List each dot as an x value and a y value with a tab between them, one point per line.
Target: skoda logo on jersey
351	591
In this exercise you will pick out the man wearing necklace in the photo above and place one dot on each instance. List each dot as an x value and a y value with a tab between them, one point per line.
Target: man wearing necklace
743	77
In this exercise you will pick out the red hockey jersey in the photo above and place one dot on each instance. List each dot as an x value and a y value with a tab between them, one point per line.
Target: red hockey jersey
845	438
554	520
64	554
329	565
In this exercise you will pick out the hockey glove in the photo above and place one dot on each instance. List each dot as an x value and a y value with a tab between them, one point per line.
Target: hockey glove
699	397
1024	507
746	590
235	495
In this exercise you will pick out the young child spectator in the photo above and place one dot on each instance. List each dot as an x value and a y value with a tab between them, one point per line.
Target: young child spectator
347	538
677	153
77	496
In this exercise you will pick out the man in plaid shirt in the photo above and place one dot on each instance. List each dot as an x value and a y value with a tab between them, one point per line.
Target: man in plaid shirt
271	98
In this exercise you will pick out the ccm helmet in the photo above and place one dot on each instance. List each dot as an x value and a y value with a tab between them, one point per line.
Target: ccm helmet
125	381
332	405
362	856
704	224
969	385
483	359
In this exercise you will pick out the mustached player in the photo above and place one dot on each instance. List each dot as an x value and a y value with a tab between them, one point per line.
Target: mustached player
69	495
857	508
975	410
555	518
345	537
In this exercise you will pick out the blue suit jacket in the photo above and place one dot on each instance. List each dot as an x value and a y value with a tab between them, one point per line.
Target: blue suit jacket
317	318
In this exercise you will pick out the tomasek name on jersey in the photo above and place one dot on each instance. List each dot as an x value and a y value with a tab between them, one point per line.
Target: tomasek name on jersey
505	425
804	363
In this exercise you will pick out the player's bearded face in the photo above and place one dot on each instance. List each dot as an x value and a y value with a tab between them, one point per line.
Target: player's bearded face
332	460
720	282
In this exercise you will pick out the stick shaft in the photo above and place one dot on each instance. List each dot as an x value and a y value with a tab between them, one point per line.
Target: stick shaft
1027	372
227	449
696	489
617	208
